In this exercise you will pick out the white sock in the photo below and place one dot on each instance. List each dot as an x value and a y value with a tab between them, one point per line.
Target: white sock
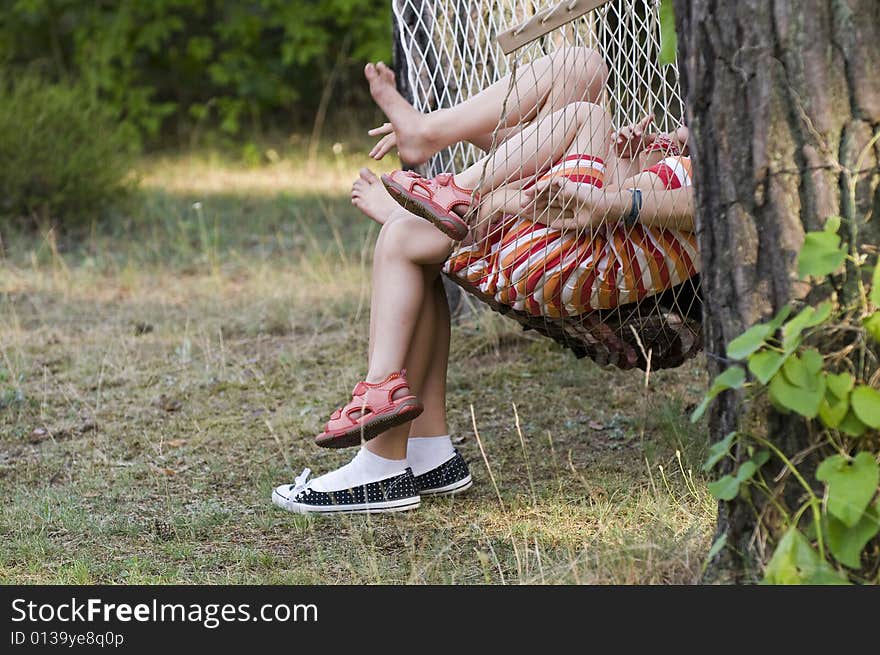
366	467
426	453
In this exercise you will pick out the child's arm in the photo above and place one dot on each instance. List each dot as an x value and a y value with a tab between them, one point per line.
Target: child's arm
664	208
567	204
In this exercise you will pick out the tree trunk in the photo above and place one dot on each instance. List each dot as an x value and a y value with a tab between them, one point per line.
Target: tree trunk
782	99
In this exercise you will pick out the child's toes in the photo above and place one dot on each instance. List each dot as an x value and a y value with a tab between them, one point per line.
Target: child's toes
385	73
368	176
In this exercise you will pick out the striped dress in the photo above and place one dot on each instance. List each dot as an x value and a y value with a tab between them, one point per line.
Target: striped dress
548	272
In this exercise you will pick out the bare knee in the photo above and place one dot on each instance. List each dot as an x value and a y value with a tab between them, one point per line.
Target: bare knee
594	73
400	236
583	69
393	236
413	239
589	113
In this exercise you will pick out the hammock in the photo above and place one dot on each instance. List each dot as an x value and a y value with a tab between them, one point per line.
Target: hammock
622	295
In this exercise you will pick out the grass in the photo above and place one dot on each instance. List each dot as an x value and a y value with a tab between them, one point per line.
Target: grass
159	375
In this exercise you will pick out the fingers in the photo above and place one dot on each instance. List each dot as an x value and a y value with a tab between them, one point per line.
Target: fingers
535	192
385	128
480	229
384	145
565	223
485	227
683	135
625	139
558	193
629	139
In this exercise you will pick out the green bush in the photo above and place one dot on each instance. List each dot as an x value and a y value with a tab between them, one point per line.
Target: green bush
66	157
168	65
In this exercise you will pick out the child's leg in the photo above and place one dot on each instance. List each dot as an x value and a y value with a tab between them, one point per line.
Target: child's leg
580	127
406	245
430	453
549	83
425	362
404	313
435	342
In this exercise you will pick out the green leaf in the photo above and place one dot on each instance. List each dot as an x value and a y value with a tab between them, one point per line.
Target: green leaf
865	402
717	547
725	488
792	330
822	313
851	485
833	410
749	468
821	255
780	317
807	318
805	402
851	425
765	364
840	384
875	285
872	325
668	34
795	562
812	361
746	471
732	378
832	224
846	543
796	372
749	341
719	451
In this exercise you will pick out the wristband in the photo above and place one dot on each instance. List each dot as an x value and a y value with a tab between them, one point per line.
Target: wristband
635	209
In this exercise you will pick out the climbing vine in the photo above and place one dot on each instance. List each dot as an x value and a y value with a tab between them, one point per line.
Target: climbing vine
816	363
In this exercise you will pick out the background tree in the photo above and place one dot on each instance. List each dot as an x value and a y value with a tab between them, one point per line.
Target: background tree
167	66
784	104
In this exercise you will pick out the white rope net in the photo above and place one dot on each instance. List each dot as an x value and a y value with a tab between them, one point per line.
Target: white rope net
623	293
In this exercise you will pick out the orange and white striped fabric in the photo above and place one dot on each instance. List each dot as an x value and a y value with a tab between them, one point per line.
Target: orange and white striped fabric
554	273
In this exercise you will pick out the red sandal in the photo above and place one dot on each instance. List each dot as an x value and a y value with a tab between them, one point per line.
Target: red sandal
432	199
379	412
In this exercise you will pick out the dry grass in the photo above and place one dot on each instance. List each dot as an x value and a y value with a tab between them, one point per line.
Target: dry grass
160	376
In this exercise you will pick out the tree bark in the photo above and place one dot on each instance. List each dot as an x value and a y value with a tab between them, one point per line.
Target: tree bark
782	99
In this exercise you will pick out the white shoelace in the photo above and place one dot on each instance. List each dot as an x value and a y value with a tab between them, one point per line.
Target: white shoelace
301	482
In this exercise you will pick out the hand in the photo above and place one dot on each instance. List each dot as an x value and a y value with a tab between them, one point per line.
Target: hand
489	215
630	140
386	143
568	204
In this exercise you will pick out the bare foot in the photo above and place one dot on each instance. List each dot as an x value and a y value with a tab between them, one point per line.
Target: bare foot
370	196
415	143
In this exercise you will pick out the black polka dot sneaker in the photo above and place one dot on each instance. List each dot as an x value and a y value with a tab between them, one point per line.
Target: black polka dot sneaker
451	477
394	494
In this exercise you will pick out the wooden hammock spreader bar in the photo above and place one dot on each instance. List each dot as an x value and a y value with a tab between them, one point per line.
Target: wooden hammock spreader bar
544	22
